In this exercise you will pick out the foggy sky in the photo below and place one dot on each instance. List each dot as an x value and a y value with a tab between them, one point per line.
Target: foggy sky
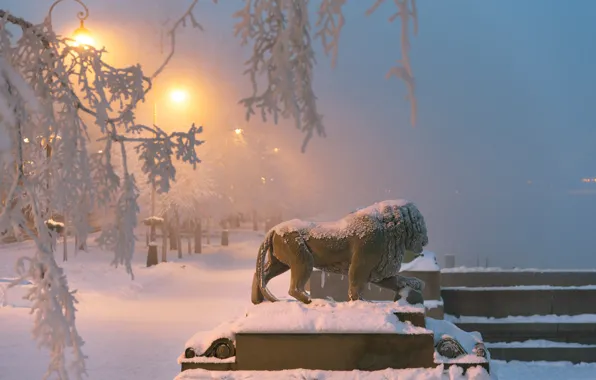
505	96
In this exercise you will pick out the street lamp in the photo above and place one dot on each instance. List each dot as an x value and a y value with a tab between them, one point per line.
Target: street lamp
238	131
178	95
81	35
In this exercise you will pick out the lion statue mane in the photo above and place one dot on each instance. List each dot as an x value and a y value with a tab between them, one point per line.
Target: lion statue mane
367	245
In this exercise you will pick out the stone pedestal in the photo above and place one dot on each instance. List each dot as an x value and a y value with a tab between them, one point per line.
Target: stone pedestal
333	336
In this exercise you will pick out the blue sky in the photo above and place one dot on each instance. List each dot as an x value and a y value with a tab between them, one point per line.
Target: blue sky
505	95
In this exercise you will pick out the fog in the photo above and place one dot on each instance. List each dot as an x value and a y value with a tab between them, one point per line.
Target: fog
505	128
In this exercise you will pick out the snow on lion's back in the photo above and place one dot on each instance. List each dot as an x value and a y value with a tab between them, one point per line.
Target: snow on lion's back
340	228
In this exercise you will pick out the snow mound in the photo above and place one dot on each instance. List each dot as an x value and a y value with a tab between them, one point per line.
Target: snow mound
454	373
318	316
426	262
442	328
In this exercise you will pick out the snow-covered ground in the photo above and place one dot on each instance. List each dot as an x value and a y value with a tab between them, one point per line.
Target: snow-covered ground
137	329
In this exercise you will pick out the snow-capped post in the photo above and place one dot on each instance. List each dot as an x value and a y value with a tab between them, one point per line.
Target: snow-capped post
152	254
55	230
198	235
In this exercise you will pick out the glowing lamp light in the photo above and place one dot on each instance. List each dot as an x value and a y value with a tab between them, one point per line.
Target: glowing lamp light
178	96
238	131
82	36
275	150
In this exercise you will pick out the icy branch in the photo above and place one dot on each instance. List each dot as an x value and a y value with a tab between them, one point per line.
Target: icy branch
331	21
406	9
279	32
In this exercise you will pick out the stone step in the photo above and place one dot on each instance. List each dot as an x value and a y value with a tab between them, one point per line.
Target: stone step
517	278
550	354
583	333
499	302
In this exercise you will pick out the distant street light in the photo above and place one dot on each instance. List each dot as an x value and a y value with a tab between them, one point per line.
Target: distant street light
238	131
178	95
275	150
81	35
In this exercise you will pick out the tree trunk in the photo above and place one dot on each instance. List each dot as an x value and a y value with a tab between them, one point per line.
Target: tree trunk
64	236
189	246
208	230
255	222
81	245
172	235
225	237
164	240
177	232
198	236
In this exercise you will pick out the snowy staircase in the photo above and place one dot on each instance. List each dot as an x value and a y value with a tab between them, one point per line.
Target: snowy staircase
526	315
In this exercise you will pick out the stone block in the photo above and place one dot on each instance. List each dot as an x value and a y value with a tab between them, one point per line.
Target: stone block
333	352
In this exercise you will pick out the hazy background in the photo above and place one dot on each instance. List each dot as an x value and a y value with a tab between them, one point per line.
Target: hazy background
506	94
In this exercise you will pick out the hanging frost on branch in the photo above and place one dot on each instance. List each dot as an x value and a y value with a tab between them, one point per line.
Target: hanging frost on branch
279	32
406	9
49	169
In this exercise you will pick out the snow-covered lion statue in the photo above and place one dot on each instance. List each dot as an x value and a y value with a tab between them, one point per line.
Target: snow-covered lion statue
367	245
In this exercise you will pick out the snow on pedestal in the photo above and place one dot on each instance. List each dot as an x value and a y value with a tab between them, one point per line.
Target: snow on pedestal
426	262
318	316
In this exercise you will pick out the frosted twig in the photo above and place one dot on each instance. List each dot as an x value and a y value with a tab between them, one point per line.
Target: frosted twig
330	22
406	9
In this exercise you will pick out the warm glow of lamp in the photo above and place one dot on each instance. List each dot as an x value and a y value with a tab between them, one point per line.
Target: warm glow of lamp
82	36
275	150
238	131
178	95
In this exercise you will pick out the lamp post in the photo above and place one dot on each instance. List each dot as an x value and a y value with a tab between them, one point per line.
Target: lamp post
81	35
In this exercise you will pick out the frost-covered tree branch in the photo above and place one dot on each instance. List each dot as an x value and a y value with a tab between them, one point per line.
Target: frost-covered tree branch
406	10
49	169
280	67
279	31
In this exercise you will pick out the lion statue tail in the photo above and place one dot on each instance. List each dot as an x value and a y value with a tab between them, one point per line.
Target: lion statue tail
259	288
